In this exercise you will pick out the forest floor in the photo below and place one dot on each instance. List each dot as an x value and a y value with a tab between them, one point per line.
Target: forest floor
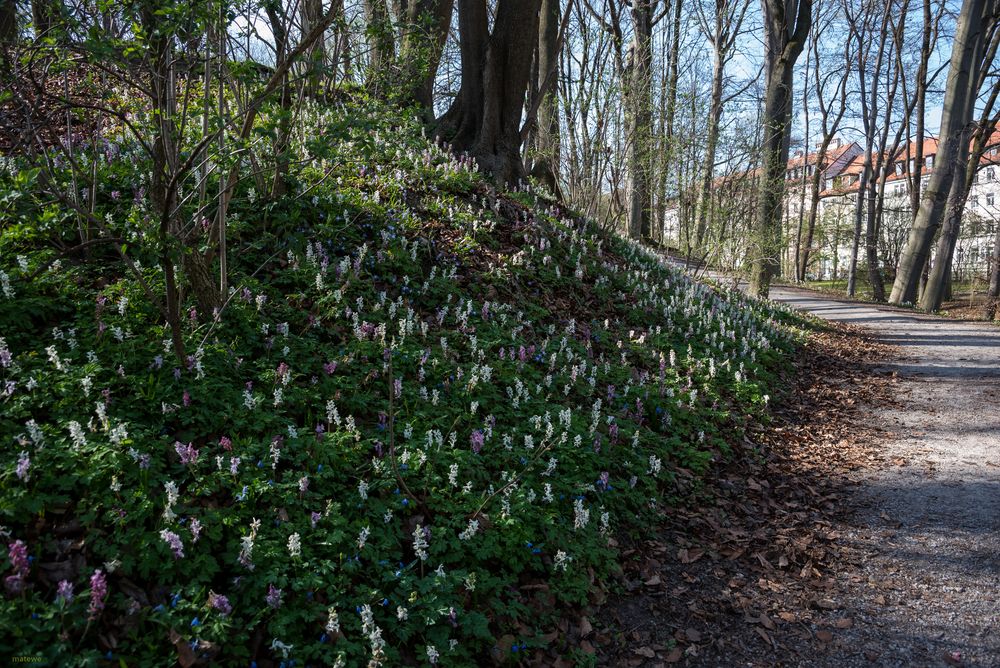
869	534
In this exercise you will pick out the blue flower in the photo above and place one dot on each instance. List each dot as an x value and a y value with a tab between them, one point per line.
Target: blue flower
195	622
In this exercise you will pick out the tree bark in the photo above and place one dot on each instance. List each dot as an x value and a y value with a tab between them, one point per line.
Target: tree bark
959	102
546	162
486	115
639	120
993	294
425	31
381	41
786	29
311	12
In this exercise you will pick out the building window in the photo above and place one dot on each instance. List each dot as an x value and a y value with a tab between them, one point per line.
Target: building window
989	199
898	189
974	201
929	161
991	174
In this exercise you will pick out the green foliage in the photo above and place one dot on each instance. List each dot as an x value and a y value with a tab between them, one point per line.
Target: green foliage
445	393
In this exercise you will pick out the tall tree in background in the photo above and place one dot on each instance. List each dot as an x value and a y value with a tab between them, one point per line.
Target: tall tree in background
485	117
786	27
970	44
831	114
638	93
971	156
425	29
381	40
546	156
722	26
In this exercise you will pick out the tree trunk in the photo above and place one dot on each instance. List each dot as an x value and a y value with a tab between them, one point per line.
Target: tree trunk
315	58
993	294
711	143
486	114
786	29
381	41
546	162
639	120
970	43
871	243
44	17
425	32
940	272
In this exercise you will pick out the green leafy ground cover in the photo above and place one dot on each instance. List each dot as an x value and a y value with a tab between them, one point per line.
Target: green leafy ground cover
417	425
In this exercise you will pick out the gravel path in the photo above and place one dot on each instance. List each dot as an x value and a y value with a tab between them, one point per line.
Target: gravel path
928	530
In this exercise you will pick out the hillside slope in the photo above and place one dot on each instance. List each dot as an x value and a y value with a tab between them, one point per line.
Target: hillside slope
414	429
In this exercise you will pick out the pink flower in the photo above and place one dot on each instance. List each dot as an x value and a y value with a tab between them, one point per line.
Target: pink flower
186	399
174	541
226	444
23	464
273	597
18	554
220	603
195	527
329	368
187	453
477	439
65	591
98	590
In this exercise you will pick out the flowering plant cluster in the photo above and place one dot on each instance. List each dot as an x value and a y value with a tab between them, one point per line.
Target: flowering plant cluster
431	395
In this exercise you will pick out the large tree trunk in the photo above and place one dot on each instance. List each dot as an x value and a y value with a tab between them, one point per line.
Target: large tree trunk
546	162
786	29
425	32
969	46
381	40
486	114
639	120
312	13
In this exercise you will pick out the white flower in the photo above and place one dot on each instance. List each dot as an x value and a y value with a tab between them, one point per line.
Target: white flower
420	544
332	620
401	613
295	545
470	530
581	516
561	561
363	537
432	654
76	433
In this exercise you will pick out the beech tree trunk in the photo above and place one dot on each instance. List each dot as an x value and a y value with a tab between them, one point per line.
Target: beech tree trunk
425	31
786	29
485	118
546	160
959	103
639	120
